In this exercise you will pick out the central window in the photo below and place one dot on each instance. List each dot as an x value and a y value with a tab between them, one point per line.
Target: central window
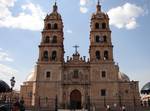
97	54
48	74
54	55
45	55
103	92
97	39
76	74
103	74
47	39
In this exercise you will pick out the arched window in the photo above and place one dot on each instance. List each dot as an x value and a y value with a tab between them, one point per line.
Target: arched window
45	55
47	39
97	25
103	25
48	26
106	55
97	39
55	26
97	53
54	55
105	38
54	40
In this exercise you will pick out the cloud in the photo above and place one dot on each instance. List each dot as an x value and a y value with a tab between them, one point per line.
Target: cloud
31	17
7	71
4	56
83	9
83	2
125	16
7	2
84	6
69	31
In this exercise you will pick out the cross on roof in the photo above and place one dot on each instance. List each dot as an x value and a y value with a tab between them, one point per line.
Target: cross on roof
55	2
76	48
99	2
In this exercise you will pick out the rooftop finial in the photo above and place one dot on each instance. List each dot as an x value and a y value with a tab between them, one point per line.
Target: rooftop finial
98	2
55	6
55	2
76	49
98	6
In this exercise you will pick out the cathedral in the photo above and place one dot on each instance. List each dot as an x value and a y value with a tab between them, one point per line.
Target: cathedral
77	82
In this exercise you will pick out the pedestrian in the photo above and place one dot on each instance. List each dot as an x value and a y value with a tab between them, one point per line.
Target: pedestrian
16	106
108	108
123	108
22	108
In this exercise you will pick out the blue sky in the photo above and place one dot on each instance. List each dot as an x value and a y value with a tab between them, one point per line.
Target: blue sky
21	23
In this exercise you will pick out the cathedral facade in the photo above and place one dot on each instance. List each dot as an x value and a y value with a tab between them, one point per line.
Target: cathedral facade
78	83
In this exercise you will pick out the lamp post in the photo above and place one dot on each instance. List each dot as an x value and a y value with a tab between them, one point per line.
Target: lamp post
12	83
88	103
104	101
56	101
39	106
120	101
30	96
119	94
133	86
148	101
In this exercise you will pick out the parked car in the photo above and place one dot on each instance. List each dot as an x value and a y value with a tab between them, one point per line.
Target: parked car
5	107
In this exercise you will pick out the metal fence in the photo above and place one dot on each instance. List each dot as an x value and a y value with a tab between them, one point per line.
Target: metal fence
49	104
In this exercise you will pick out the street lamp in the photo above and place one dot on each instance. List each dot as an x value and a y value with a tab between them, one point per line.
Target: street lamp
12	83
104	101
148	101
88	103
133	86
30	96
119	94
120	101
56	102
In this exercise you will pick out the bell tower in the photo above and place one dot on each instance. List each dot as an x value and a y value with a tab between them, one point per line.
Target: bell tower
101	48
51	58
51	49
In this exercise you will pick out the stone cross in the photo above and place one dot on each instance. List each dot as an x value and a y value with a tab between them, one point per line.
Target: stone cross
76	48
98	2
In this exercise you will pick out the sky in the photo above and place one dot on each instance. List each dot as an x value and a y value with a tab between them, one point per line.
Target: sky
21	23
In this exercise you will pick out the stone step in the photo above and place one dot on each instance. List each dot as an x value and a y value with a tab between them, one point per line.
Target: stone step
72	110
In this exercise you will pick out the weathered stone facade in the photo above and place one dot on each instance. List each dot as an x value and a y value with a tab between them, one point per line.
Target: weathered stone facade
78	83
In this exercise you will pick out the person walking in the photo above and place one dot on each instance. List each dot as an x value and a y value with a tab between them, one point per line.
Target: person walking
22	108
108	108
16	106
123	108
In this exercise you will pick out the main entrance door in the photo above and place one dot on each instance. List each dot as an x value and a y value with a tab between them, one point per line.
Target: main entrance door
75	99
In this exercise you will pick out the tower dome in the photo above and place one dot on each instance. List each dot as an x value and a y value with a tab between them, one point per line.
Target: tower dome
54	14
146	89
123	77
31	75
4	87
99	14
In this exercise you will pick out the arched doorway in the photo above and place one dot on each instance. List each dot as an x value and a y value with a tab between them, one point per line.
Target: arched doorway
75	99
